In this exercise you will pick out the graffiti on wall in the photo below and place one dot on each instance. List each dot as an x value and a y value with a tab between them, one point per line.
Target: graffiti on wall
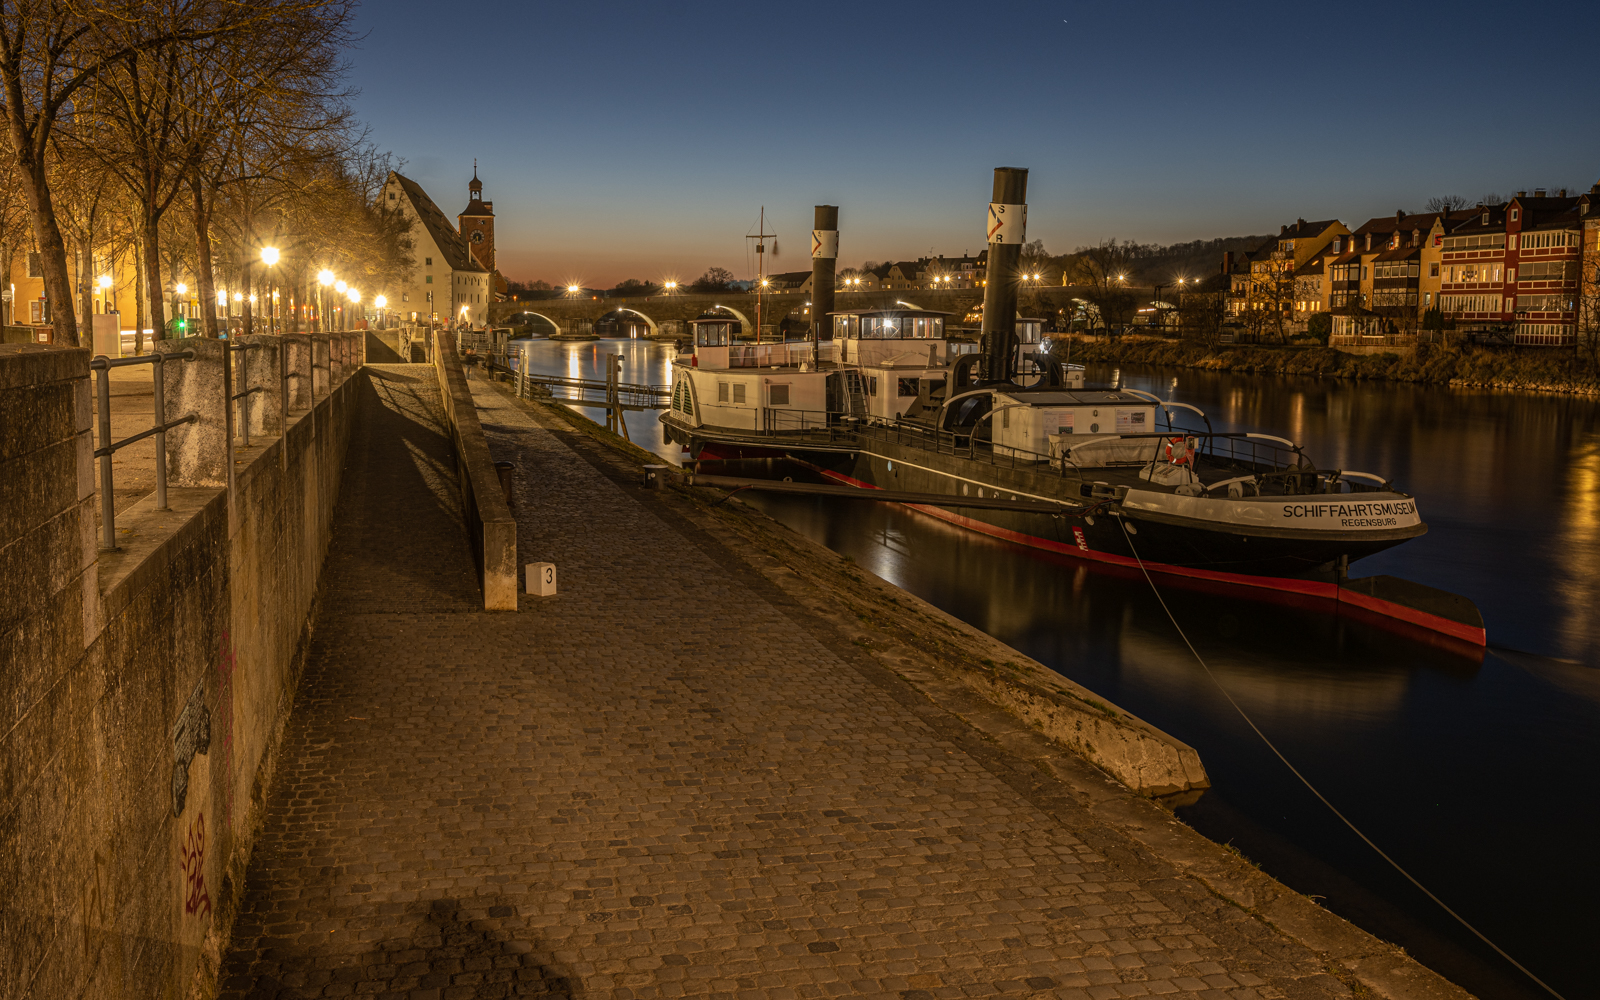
224	725
96	907
190	736
193	851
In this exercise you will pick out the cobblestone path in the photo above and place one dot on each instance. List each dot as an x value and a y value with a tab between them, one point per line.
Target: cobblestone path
666	781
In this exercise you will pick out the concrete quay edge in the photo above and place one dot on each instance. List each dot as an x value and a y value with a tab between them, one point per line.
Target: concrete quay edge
489	517
1010	710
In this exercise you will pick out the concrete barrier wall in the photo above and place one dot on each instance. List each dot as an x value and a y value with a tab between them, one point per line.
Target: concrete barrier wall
491	528
144	688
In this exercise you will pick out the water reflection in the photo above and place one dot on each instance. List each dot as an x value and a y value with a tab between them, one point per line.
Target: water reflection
1476	773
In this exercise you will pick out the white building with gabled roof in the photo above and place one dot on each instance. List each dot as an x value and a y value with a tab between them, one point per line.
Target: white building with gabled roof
447	283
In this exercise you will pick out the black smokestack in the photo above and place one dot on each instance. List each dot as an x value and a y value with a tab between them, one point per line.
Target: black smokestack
1007	228
824	257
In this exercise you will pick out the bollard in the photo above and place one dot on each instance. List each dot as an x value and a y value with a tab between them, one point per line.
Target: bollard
655	476
542	579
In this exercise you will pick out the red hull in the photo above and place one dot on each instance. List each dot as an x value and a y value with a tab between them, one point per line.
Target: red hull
1309	588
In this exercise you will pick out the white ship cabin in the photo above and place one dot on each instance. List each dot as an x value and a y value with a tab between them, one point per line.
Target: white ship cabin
902	355
1040	424
752	386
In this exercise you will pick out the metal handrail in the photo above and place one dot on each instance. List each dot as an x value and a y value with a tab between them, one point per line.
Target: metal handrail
103	365
244	376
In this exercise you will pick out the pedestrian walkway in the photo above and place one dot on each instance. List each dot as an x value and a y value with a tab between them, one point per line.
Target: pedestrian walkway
665	781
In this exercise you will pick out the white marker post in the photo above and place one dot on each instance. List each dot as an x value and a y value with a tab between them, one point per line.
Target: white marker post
542	579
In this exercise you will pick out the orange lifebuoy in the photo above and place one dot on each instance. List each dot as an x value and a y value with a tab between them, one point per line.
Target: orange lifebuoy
1185	452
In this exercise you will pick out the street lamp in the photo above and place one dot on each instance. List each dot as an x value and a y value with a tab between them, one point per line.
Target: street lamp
670	286
325	280
269	257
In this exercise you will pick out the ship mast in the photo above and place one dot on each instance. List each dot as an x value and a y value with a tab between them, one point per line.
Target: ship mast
761	236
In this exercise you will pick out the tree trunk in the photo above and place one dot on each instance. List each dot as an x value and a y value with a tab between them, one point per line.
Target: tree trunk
52	250
204	277
138	296
86	285
247	311
152	276
7	258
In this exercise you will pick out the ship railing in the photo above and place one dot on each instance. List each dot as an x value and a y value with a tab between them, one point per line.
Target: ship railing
785	354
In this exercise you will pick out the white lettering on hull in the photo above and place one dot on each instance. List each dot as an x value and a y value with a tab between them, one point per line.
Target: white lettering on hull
1379	513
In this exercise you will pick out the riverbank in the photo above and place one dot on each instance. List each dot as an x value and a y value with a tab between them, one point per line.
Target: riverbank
933	661
1527	369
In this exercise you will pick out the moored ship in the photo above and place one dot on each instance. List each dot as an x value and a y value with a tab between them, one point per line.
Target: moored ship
1008	441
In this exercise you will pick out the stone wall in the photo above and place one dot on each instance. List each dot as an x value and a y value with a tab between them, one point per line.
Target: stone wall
490	525
143	688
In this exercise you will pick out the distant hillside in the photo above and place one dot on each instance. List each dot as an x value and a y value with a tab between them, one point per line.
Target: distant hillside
1196	260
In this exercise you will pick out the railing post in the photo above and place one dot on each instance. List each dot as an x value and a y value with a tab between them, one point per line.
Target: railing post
159	389
242	351
108	509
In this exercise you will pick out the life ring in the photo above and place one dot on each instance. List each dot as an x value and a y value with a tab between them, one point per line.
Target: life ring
1184	455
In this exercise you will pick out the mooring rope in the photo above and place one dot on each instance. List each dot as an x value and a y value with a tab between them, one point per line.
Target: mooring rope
1121	522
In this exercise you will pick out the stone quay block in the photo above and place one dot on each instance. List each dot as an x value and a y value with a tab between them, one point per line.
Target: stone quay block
197	452
320	364
263	408
298	348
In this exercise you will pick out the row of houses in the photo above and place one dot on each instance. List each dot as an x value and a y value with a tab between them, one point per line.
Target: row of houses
1519	271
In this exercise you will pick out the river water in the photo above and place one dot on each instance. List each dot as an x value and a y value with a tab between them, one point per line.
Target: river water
1477	774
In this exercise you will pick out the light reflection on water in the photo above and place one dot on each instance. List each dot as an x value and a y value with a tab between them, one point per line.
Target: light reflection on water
1478	776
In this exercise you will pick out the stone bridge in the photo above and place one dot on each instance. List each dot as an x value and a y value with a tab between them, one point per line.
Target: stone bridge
665	315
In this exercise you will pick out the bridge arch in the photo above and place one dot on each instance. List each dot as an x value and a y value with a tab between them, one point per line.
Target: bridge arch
517	319
653	328
745	327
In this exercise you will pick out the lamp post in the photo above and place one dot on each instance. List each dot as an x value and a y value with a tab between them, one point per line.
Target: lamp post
343	289
379	303
324	279
269	257
355	297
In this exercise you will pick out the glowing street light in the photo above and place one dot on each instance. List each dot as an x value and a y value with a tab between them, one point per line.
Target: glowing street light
341	287
355	296
326	277
670	286
381	301
181	288
105	281
573	289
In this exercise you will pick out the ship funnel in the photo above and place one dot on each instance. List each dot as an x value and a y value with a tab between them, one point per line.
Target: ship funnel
824	258
1007	229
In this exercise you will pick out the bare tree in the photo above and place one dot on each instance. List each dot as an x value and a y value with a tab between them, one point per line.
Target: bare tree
1104	270
1446	203
50	51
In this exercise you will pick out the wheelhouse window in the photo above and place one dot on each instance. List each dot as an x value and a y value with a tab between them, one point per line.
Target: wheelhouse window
1029	330
718	333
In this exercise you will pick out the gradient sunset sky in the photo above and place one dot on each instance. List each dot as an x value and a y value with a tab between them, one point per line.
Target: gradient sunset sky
641	140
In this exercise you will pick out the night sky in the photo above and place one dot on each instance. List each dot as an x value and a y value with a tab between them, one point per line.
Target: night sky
641	140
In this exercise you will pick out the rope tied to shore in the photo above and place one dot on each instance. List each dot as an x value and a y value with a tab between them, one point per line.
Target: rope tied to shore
1127	536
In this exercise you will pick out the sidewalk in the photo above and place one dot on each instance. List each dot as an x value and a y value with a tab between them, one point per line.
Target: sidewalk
672	779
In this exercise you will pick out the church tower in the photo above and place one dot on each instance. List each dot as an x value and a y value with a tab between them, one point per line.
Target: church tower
476	222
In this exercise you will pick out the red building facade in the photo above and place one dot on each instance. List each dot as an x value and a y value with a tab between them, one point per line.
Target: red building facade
1514	268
